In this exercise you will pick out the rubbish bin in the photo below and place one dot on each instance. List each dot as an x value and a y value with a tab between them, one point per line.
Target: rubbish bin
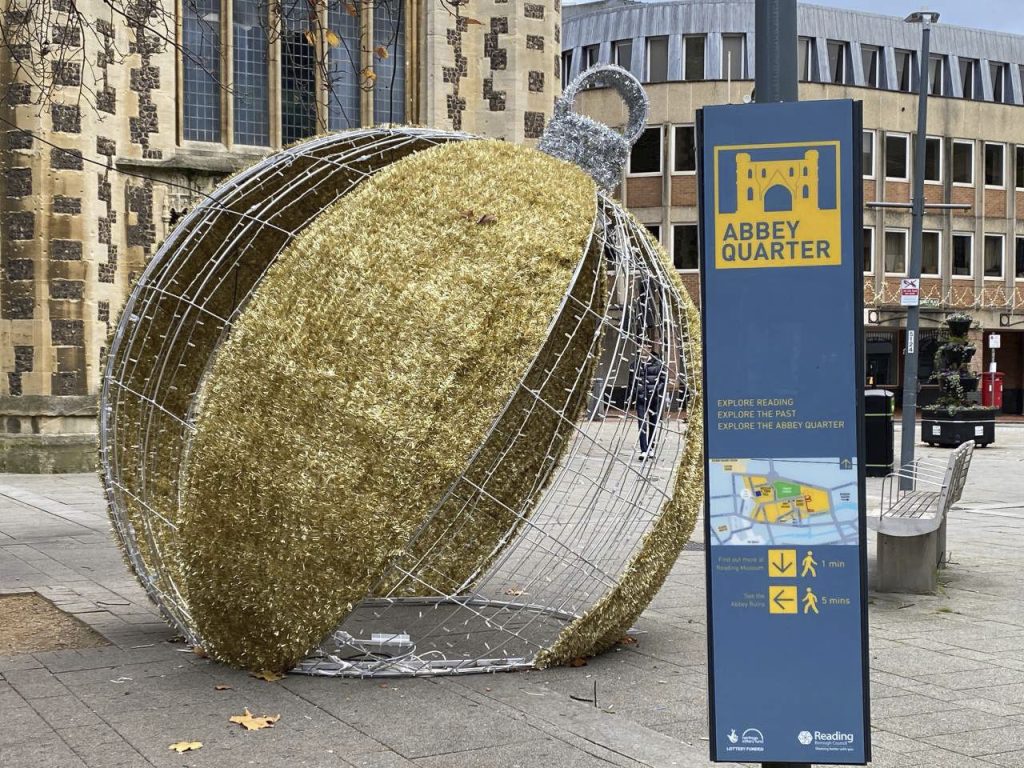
992	388
878	432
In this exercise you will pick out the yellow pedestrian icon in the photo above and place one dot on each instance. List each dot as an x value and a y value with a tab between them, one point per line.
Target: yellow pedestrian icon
808	563
810	601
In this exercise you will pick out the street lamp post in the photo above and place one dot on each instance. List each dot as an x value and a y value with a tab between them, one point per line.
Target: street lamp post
925	19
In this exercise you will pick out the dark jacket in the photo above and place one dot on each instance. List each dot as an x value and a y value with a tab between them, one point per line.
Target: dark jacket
649	380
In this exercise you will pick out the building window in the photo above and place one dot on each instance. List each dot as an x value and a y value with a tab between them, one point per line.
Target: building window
962	255
805	58
994	165
566	68
904	69
655	232
838	61
993	266
868	154
1018	262
286	51
645	157
684	149
685	251
1019	169
693	57
963	162
968	78
869	56
389	31
622	53
896	156
657	59
869	250
933	159
930	250
732	57
999	89
252	75
591	55
200	40
936	75
896	252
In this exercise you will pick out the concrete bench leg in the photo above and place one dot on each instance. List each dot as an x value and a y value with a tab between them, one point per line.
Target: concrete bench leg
907	563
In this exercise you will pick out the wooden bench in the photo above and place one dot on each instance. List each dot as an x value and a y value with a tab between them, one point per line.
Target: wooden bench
911	524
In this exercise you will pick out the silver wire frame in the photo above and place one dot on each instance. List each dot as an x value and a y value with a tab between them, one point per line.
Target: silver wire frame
568	544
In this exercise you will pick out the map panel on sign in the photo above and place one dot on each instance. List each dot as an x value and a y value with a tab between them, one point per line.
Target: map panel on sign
783	501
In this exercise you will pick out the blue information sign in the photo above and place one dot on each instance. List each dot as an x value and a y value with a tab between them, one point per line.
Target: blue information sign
784	525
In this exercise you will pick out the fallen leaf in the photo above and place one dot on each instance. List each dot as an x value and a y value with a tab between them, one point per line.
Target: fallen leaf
186	746
515	592
332	38
266	674
198	651
381	51
579	661
487	218
627	640
254	723
222	688
467	214
472	21
350	9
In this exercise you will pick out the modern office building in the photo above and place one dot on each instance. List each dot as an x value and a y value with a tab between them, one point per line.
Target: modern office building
690	53
114	120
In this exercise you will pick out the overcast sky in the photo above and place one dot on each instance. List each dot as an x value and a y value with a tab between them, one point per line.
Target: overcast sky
1003	15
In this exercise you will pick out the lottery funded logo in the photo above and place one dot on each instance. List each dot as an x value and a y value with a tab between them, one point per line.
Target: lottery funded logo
777	205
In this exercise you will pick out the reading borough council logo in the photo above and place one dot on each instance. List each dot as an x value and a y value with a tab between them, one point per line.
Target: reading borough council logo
777	205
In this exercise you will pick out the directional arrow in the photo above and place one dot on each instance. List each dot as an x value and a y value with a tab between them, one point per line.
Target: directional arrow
845	464
780	601
781	565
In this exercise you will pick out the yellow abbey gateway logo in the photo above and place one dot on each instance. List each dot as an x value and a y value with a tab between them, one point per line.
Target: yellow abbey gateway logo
777	205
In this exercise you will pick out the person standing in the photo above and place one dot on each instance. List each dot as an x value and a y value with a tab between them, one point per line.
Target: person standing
649	380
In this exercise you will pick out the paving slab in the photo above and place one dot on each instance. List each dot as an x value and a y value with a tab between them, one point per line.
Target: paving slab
947	671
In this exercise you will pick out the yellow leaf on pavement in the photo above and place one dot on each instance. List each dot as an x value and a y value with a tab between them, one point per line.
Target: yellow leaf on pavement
266	674
253	723
186	746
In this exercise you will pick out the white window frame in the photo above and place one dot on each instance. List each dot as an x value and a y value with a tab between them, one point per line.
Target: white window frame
985	147
877	51
648	224
906	251
844	64
909	70
672	255
808	62
972	72
743	56
1017	239
939	265
874	153
970	261
974	173
703	39
616	45
1004	71
869	269
647	57
1018	181
942	160
885	157
585	53
941	58
1002	255
672	139
661	157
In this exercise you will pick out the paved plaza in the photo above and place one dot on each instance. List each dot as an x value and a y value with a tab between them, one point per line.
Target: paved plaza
947	670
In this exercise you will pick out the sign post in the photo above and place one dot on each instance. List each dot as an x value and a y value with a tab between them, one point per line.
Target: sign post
781	299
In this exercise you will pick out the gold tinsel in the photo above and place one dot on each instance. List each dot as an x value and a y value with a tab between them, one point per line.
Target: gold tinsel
369	366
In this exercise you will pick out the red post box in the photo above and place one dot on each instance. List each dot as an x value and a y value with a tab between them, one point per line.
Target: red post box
992	388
